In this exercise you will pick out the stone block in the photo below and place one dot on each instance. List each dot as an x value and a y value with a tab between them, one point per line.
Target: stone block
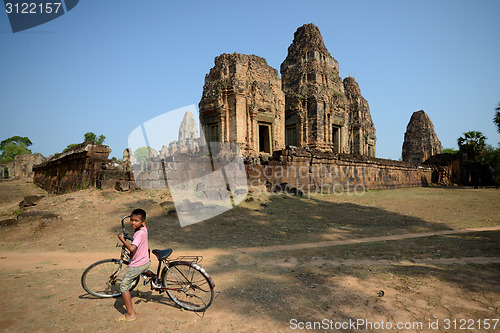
122	185
106	184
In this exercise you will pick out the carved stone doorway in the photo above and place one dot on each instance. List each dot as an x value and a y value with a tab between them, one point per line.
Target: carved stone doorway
264	138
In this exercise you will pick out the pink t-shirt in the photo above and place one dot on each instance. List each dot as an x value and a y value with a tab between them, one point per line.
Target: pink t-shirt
141	254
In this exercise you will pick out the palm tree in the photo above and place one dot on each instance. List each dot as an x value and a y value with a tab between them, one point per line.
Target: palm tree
472	144
496	119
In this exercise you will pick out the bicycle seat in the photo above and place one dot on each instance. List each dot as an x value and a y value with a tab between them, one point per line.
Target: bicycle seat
162	254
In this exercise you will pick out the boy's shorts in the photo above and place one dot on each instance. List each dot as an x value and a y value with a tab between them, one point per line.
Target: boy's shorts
131	274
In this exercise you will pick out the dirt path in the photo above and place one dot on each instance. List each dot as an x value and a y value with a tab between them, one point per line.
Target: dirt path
79	260
359	240
44	261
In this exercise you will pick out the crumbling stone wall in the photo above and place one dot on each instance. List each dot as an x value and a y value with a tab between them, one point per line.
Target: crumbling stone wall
83	166
21	167
317	171
7	170
453	169
114	175
308	170
151	174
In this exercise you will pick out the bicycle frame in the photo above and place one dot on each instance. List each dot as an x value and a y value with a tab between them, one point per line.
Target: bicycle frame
154	278
151	277
186	283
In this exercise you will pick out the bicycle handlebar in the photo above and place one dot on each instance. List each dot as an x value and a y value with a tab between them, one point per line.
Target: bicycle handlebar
123	229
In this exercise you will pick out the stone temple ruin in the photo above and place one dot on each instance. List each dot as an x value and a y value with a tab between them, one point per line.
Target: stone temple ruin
21	166
421	142
188	138
309	129
322	111
244	101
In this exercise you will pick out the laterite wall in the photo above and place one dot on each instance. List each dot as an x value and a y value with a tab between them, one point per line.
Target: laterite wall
81	167
316	171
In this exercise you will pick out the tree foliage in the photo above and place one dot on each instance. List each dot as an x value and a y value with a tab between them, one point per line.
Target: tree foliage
496	119
491	156
14	146
142	154
92	137
69	147
450	151
89	137
472	144
17	140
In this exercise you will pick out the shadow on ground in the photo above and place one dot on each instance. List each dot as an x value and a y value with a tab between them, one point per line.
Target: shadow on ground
285	220
284	285
311	293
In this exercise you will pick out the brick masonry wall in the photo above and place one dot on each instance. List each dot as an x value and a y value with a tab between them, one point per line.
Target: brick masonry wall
453	169
314	171
23	164
186	168
306	170
20	167
81	167
7	170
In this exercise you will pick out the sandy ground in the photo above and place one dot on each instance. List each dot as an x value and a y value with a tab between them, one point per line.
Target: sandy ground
438	263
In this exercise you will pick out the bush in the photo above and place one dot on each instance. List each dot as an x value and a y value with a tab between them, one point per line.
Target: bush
450	151
491	156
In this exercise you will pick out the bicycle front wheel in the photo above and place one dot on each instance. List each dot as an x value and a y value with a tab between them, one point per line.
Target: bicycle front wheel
189	286
103	278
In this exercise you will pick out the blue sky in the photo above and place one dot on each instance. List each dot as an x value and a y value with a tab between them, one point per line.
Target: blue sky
108	66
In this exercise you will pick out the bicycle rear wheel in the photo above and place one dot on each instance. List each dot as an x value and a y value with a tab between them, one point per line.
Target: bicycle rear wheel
103	278
189	285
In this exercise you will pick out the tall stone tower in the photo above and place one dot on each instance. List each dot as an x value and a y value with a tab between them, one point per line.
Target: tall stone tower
187	129
243	103
421	142
362	136
315	103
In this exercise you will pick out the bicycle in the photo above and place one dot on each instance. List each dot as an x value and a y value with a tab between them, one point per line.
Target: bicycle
186	283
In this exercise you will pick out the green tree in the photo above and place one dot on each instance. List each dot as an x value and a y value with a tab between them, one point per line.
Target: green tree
472	144
14	146
496	119
69	147
88	137
450	151
142	154
491	156
92	137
